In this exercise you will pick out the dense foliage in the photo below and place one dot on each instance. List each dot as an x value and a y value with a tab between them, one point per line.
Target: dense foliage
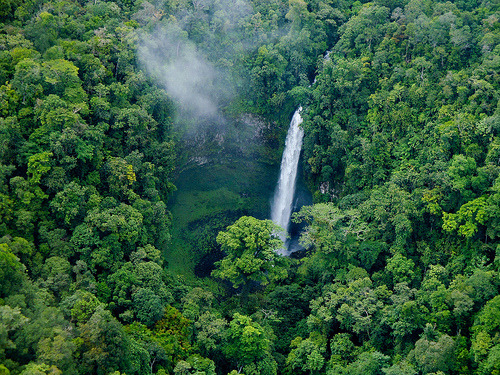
402	149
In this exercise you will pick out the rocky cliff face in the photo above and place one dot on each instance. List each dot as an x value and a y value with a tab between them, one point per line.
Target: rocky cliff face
247	137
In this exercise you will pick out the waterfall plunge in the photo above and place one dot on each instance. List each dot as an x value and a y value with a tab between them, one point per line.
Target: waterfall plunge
281	207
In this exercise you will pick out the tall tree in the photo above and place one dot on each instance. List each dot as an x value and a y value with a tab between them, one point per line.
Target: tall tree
251	247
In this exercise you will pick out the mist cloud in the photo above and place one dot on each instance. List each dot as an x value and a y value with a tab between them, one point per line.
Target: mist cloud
199	85
175	63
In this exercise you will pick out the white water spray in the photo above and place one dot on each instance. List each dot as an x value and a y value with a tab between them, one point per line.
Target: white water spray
281	207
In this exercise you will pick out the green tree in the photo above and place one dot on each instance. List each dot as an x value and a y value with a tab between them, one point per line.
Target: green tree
27	79
11	319
58	350
148	306
38	165
405	315
401	268
104	346
307	355
72	202
370	363
354	304
41	369
80	306
195	364
248	347
12	271
210	331
251	253
335	234
485	343
61	78
172	334
390	210
56	273
433	295
267	75
434	352
364	30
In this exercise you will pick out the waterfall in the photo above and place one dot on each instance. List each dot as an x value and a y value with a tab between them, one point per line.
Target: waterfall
281	207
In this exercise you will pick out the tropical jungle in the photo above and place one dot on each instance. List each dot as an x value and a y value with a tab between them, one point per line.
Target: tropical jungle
140	147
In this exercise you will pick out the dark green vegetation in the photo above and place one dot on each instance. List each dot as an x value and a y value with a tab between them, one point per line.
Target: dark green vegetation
401	150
